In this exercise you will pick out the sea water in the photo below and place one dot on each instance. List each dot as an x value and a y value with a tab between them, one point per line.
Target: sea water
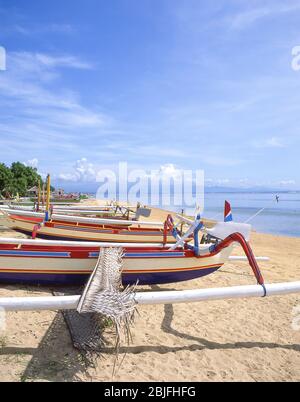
282	217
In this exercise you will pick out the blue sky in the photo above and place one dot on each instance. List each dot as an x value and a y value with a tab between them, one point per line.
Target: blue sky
185	83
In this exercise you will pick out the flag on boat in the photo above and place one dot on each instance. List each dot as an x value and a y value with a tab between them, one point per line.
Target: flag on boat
227	212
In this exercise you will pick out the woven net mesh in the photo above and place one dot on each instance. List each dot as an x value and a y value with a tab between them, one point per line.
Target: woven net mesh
105	312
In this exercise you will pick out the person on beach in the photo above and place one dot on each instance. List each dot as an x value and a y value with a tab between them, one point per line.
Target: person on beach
277	198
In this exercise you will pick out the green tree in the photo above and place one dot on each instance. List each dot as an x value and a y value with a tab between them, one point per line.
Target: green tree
6	178
18	179
19	170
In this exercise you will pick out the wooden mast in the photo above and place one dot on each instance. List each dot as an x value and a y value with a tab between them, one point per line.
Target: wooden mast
48	198
39	196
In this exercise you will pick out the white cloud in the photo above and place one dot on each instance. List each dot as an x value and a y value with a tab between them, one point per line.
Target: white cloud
84	171
247	18
61	61
27	79
244	19
46	115
168	170
287	182
273	142
25	29
32	163
21	63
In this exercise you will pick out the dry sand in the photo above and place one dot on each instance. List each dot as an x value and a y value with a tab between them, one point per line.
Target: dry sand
234	340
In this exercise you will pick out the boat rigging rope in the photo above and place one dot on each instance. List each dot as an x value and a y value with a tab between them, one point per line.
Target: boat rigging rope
255	215
259	212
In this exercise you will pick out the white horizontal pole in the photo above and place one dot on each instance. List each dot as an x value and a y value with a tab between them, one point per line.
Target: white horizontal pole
18	212
66	203
163	297
104	221
235	292
189	296
82	212
39	303
93	208
17	208
99	221
59	210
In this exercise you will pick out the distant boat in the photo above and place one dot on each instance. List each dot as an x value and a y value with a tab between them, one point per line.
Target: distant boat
85	229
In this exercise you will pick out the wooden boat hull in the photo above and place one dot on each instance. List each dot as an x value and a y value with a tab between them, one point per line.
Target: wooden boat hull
55	230
70	265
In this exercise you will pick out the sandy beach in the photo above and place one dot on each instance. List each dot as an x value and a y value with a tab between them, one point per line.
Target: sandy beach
233	340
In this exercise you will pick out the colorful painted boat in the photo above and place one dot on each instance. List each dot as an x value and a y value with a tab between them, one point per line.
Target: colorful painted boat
46	262
76	229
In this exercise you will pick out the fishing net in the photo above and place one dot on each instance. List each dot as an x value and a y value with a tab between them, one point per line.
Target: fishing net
103	295
105	312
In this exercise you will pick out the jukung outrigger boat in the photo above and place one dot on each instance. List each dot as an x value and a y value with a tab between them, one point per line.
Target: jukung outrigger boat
61	262
65	227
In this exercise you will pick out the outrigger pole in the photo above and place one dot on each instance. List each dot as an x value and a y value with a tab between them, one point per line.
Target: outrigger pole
163	297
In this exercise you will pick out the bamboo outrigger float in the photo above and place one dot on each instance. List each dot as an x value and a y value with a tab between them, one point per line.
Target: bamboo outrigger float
161	297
